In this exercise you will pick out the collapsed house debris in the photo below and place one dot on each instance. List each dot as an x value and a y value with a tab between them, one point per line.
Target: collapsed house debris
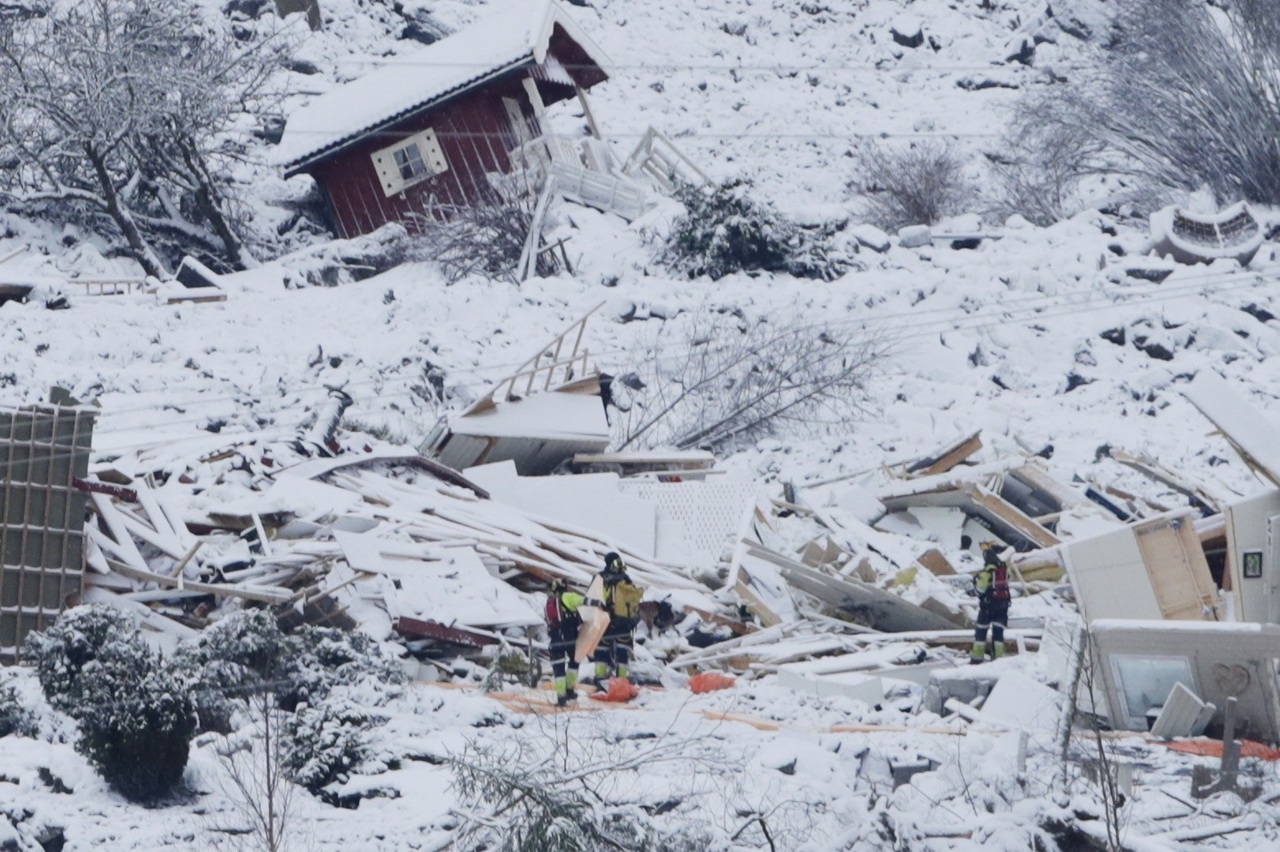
1140	665
1148	570
1233	232
845	589
549	410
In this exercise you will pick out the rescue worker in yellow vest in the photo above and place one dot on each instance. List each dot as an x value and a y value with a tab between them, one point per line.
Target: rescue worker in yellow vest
991	584
563	622
613	591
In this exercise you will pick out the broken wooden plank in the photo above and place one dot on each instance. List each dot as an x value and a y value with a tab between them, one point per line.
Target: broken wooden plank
870	605
700	655
1145	464
263	594
1007	521
120	541
936	564
947	458
739	628
435	630
167	545
94	486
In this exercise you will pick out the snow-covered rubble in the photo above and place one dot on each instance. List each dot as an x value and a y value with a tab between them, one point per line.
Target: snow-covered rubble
1058	344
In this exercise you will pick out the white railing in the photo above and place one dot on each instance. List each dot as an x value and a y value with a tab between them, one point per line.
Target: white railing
584	170
659	159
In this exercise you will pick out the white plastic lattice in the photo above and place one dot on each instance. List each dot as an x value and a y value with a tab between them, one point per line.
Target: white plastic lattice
705	517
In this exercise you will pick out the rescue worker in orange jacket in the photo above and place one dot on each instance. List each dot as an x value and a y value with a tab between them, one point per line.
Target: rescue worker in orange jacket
991	584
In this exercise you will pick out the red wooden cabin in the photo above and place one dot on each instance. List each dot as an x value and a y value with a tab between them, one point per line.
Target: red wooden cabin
427	128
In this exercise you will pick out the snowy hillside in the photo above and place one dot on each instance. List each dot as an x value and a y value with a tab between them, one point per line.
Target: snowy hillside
1052	341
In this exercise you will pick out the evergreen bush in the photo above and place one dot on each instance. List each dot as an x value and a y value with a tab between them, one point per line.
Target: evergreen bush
229	659
326	741
15	716
77	638
322	658
726	230
136	721
247	652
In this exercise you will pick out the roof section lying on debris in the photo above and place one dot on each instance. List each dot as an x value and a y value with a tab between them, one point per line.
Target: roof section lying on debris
550	409
1250	432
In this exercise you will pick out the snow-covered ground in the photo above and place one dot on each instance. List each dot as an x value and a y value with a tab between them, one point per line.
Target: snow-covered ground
1007	338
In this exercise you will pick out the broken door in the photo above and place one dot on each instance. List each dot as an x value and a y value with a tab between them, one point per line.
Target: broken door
1176	565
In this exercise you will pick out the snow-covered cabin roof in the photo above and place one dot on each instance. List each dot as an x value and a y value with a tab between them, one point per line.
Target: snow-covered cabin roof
518	33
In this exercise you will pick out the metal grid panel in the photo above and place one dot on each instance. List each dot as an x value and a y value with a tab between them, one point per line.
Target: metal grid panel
42	451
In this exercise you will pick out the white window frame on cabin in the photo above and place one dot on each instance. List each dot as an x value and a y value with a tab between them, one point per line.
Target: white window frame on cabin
1143	682
409	162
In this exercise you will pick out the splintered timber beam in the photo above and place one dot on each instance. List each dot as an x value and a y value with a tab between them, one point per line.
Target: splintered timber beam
948	458
1010	515
1148	466
263	594
435	630
93	486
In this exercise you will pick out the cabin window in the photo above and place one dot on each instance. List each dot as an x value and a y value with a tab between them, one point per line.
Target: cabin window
1144	682
411	161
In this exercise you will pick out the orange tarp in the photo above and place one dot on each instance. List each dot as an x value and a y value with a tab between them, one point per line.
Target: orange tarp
619	691
1213	748
709	682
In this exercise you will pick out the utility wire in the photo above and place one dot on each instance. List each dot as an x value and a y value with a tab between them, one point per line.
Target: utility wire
1183	285
408	60
693	134
946	318
1037	308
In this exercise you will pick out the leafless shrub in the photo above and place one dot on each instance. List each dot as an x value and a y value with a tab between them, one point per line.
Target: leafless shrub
535	794
913	185
1042	165
1096	753
726	380
256	781
116	113
486	236
1186	97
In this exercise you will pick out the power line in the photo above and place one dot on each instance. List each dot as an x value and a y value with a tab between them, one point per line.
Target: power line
1042	306
1024	307
408	61
695	135
1029	304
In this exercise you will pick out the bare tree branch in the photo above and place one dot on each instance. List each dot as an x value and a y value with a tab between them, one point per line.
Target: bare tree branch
730	381
126	102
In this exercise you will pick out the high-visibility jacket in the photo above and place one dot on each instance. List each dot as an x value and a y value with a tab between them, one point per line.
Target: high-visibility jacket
562	609
993	581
